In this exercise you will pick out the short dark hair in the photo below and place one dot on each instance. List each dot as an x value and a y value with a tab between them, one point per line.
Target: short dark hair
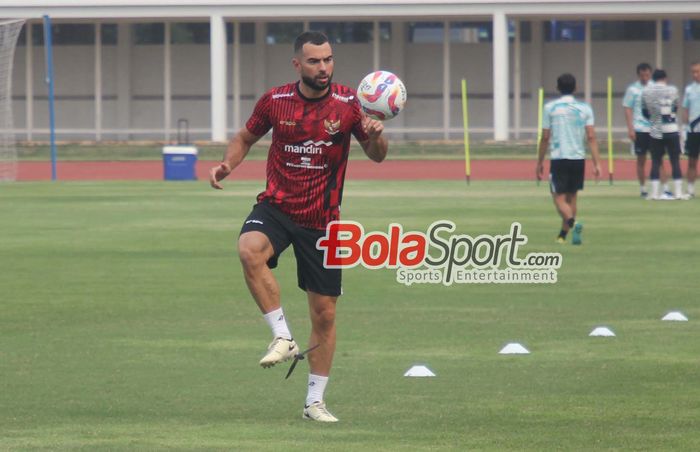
658	74
643	67
566	83
314	37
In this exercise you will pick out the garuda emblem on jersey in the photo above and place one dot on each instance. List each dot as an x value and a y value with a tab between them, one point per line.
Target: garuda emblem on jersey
332	127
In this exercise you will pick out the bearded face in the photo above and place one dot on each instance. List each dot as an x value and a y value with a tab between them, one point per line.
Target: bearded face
314	63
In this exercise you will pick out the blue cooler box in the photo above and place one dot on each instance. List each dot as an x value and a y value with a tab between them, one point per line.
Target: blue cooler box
179	162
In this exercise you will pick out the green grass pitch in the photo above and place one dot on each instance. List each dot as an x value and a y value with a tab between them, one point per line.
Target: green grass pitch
125	324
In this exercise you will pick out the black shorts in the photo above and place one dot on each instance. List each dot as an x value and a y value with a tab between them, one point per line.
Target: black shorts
642	143
692	144
670	143
566	176
282	231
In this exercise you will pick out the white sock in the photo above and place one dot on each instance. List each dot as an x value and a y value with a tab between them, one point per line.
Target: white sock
666	189
654	189
317	386
278	324
678	187
691	188
642	188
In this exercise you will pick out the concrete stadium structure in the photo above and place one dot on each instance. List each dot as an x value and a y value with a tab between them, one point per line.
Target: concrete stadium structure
129	69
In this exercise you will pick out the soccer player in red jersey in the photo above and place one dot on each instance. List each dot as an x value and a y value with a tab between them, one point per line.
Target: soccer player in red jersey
312	121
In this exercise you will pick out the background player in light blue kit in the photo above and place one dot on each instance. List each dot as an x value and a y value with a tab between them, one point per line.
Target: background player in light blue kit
567	124
691	117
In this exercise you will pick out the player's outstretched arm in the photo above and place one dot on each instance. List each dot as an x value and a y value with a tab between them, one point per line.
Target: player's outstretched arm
236	151
377	146
595	153
544	144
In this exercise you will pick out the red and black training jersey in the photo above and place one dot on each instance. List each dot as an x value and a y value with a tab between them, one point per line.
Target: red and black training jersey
309	151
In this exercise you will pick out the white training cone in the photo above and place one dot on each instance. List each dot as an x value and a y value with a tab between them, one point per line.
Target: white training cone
419	371
514	349
602	331
675	316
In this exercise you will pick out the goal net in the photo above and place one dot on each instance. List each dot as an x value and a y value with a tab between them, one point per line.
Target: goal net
9	30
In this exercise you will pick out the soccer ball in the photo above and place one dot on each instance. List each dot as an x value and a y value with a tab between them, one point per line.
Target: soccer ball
382	95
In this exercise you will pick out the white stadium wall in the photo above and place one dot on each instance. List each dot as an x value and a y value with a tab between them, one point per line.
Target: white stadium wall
132	83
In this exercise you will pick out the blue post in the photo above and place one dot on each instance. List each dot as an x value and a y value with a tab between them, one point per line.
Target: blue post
49	81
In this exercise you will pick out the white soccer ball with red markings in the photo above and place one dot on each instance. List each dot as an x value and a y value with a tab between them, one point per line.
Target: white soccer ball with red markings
382	95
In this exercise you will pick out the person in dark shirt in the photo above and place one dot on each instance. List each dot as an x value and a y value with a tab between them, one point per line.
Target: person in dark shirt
312	123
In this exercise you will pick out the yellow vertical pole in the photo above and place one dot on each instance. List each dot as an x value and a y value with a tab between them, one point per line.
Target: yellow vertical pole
465	117
540	107
610	140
